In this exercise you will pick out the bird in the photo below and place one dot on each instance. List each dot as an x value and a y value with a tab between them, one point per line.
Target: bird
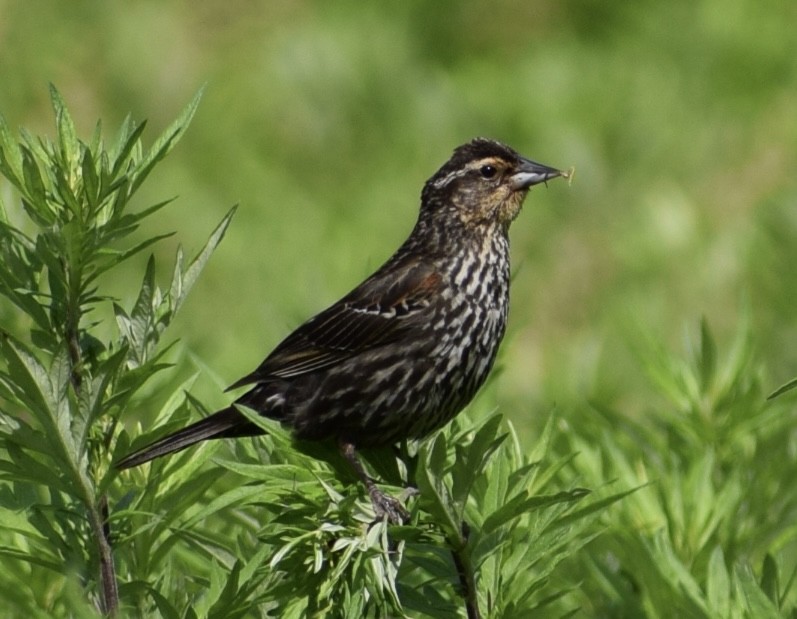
405	351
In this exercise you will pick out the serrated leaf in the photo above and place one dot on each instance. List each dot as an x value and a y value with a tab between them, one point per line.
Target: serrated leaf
63	188
124	144
198	263
121	256
22	467
95	143
595	506
123	224
522	504
167	140
91	181
10	156
142	317
67	137
106	373
28	302
34	193
30	379
60	377
176	287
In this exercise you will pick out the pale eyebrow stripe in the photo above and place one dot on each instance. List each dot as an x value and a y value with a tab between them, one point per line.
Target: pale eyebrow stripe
462	171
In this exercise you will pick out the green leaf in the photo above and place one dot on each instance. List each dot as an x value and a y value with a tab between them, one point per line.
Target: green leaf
124	224
91	182
138	327
65	411
434	495
165	608
718	585
770	579
164	143
63	187
119	257
10	156
231	498
184	284
25	300
783	389
521	504
67	137
32	558
29	380
472	458
23	467
291	474
707	363
34	193
595	506
757	602
271	427
99	387
124	144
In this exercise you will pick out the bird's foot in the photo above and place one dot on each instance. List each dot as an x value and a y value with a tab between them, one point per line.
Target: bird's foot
386	505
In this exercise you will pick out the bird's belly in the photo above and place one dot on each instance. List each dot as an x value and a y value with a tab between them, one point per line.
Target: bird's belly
463	363
455	368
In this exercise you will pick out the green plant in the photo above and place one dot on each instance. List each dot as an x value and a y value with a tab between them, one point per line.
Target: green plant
711	533
63	387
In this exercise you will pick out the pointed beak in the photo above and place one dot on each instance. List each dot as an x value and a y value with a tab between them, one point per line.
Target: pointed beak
531	173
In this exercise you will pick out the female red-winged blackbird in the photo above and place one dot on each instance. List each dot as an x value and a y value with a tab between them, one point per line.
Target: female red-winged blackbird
405	351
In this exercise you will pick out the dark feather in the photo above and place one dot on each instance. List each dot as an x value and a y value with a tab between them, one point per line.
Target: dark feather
227	423
376	313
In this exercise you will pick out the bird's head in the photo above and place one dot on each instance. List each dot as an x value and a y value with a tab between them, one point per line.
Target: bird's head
483	183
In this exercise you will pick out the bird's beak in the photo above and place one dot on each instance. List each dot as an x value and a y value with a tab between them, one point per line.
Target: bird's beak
531	173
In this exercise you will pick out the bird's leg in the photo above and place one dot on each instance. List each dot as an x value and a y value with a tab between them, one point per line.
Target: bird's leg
383	503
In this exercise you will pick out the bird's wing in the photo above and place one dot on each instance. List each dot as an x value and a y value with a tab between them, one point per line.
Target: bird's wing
377	312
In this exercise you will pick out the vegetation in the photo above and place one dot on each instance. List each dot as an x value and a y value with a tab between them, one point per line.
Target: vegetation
635	466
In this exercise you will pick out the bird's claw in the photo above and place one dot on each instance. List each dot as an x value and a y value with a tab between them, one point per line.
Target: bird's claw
386	505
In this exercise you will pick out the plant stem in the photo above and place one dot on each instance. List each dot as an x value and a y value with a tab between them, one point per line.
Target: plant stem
465	572
72	326
98	516
97	507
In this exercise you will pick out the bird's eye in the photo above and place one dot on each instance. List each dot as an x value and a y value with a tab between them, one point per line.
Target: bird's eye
488	171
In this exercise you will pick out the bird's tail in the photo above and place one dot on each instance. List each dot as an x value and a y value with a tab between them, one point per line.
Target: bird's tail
227	423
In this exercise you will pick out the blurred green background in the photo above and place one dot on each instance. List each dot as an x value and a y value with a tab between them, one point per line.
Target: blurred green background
323	120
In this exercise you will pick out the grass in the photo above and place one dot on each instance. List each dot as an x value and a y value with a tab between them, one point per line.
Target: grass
652	304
